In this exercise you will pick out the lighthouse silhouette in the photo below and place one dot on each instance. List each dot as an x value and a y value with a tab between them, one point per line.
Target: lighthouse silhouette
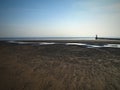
96	37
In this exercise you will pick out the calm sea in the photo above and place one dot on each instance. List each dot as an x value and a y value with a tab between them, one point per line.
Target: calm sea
49	38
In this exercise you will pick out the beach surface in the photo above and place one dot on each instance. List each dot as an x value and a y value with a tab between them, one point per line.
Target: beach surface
60	66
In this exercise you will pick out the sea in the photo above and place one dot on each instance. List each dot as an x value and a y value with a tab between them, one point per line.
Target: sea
18	41
48	38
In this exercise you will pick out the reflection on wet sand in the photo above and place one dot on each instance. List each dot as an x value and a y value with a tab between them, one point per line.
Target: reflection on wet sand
69	43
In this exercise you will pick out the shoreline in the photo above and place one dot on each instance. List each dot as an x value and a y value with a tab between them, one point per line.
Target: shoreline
81	41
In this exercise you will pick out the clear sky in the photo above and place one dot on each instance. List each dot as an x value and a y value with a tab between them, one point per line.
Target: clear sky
61	18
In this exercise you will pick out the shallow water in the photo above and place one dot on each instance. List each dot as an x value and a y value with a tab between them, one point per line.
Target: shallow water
81	44
78	44
112	45
95	46
46	43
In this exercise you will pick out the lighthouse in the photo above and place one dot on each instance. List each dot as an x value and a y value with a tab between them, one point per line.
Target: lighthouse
96	37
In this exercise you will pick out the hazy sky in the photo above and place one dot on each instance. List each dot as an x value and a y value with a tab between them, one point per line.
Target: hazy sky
50	18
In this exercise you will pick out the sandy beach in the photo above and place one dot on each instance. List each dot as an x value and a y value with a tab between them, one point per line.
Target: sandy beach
59	66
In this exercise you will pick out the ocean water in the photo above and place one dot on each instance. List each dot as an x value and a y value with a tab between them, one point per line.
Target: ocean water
49	38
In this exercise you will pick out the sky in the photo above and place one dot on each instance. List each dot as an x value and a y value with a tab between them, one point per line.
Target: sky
59	18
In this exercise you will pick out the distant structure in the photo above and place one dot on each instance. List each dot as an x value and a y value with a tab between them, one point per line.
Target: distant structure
105	38
96	37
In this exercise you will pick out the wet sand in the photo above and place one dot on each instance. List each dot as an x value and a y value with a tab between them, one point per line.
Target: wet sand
59	67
